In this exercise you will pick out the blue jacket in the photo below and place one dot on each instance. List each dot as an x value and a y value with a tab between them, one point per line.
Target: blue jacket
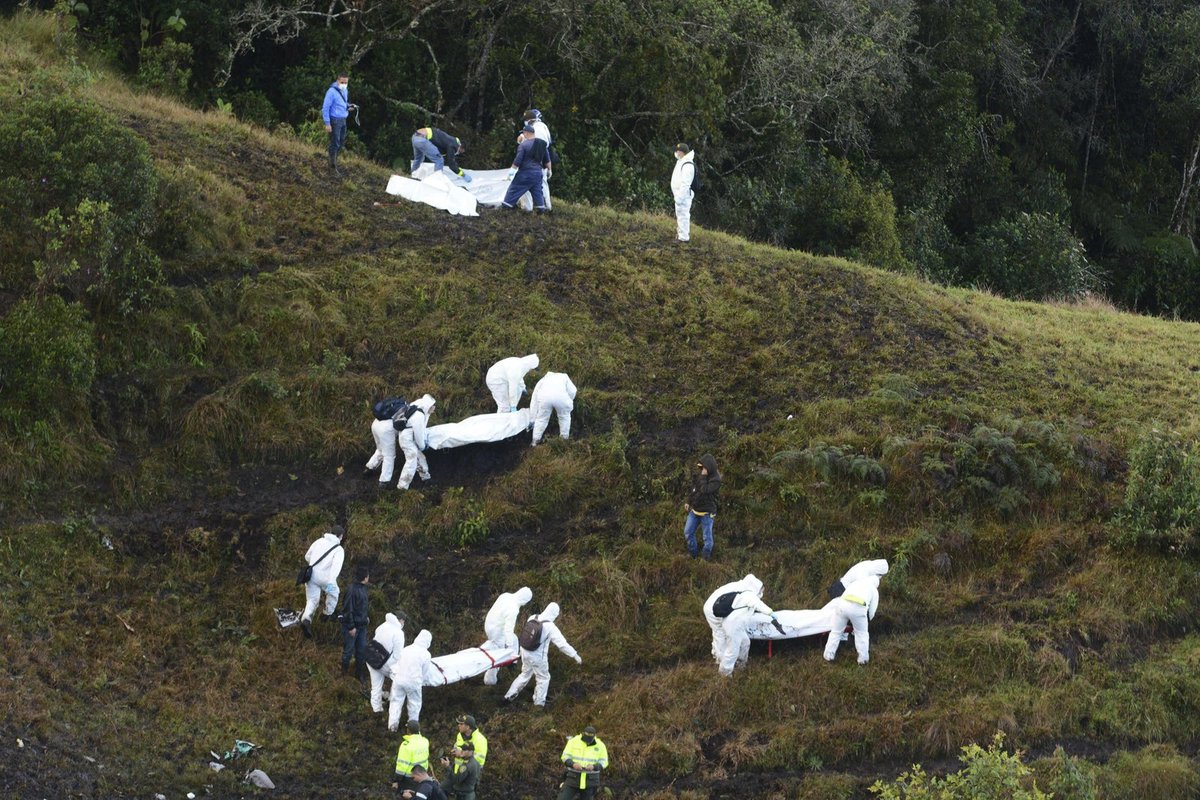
527	159
336	102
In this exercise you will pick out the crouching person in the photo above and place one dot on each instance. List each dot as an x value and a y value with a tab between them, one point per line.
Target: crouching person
413	441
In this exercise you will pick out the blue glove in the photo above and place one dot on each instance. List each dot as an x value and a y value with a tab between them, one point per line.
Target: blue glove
512	173
465	177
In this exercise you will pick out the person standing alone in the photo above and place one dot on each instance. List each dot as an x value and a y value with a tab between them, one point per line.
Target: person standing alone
681	186
355	619
701	506
334	111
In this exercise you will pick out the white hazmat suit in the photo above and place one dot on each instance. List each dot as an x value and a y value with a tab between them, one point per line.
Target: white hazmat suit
542	131
501	622
856	606
731	639
391	635
408	678
681	188
324	576
412	442
553	393
536	663
385	448
506	380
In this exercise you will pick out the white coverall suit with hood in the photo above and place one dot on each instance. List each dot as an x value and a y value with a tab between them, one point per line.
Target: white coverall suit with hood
681	187
536	663
412	442
385	448
408	679
324	576
554	392
731	641
501	623
856	606
391	635
506	380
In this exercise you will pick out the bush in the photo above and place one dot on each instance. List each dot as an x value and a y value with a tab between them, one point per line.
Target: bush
49	362
990	774
77	195
166	68
1032	257
1162	498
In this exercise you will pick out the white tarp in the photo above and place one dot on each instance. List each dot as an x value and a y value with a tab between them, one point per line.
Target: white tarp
481	428
435	190
487	186
443	670
807	622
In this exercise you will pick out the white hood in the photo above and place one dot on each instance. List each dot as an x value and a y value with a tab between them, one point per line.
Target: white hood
424	639
392	619
549	614
523	595
529	362
425	402
751	583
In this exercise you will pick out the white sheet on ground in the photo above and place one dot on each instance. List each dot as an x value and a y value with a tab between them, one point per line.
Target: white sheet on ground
436	190
478	429
487	185
447	669
806	622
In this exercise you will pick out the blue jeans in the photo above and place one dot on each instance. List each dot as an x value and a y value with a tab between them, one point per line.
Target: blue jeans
424	150
337	137
355	645
689	532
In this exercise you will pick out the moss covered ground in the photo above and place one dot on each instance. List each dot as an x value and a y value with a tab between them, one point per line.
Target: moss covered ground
978	444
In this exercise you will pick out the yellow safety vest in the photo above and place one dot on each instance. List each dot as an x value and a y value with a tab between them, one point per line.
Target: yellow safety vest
582	754
414	749
480	742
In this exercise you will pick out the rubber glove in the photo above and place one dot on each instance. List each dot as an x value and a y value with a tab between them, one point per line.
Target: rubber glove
512	173
578	659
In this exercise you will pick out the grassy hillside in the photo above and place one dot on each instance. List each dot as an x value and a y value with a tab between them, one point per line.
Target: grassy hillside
980	445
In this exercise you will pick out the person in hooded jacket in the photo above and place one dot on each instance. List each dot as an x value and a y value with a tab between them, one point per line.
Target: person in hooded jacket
390	634
501	622
681	188
856	606
335	110
536	663
412	441
355	619
553	393
385	434
325	555
701	506
408	680
527	173
506	380
729	612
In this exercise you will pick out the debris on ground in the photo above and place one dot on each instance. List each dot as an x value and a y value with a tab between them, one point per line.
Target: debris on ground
259	779
216	766
287	617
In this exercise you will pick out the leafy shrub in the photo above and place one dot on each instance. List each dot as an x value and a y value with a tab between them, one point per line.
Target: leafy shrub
1165	277
1033	257
990	774
77	195
166	68
49	361
1162	497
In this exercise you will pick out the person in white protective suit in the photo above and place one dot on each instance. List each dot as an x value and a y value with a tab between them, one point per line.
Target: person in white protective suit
554	392
506	380
408	680
729	611
856	606
384	434
325	556
391	635
412	441
536	663
541	132
501	622
681	188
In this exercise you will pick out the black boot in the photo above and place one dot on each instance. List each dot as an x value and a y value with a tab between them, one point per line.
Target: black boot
345	667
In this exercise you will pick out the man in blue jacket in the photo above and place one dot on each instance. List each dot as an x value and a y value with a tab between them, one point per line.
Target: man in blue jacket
526	171
334	111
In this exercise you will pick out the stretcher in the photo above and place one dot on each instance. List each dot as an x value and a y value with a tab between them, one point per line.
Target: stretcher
794	624
481	428
455	667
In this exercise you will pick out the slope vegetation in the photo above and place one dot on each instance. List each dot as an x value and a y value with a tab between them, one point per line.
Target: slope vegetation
980	445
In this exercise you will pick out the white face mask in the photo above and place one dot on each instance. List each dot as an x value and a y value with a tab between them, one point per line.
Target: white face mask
344	86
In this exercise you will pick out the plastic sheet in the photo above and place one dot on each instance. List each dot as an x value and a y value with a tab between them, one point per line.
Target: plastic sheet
480	428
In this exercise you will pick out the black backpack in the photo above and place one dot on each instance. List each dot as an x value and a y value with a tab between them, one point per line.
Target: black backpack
377	654
697	184
387	407
723	605
530	636
401	418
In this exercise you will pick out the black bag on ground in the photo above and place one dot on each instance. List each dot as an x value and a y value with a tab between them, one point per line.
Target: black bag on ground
723	605
530	636
377	654
387	407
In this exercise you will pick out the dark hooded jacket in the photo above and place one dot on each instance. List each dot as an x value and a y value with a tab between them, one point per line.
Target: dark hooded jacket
703	498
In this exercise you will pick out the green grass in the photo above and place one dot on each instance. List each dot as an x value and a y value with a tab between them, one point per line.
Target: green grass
232	419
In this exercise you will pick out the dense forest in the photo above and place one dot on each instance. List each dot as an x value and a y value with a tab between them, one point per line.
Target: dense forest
1037	148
